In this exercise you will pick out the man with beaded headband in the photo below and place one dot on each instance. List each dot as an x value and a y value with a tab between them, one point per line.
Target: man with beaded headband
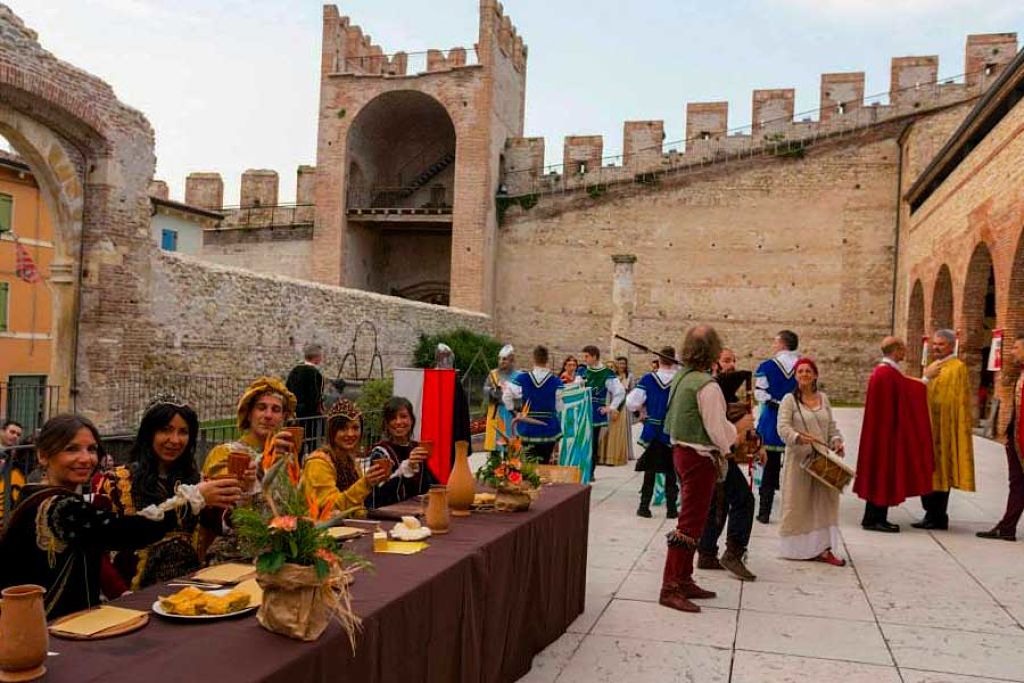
331	476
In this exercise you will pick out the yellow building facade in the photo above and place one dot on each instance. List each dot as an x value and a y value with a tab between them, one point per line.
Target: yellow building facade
25	307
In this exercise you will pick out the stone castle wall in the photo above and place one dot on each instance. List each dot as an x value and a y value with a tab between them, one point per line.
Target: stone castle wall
771	243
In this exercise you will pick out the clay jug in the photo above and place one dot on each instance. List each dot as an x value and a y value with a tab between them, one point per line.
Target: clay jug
437	509
461	486
23	636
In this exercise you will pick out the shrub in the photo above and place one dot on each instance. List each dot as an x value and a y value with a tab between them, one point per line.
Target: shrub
374	394
464	343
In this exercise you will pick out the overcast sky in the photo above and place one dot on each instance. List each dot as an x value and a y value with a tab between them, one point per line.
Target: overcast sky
233	84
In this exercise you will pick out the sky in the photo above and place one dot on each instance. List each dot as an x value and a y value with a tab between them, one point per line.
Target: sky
233	84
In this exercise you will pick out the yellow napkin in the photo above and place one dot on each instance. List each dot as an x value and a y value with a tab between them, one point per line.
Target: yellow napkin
230	572
405	547
343	532
253	590
99	619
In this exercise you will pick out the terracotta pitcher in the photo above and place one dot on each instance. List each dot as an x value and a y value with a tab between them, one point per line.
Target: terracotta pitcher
461	487
437	509
23	637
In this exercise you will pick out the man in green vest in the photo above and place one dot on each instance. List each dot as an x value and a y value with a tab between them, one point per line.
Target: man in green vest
702	437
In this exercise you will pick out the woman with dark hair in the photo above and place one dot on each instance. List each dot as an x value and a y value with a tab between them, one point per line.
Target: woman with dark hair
55	539
331	475
162	459
810	510
410	474
568	372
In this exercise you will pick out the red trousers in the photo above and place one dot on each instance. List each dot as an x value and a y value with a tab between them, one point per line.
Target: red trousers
697	477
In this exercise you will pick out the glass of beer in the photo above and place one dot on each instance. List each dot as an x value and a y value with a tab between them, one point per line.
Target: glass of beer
238	463
298	435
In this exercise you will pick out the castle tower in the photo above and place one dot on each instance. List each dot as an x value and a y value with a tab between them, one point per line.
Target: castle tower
408	156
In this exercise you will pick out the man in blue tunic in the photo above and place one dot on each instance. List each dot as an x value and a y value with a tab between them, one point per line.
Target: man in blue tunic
540	390
606	396
772	381
651	397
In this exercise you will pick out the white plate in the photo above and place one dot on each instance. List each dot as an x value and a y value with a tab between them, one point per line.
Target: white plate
158	608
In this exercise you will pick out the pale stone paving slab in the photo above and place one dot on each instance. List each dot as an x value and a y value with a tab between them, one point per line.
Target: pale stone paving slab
945	607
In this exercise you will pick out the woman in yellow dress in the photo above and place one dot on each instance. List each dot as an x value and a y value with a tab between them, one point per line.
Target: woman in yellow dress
331	477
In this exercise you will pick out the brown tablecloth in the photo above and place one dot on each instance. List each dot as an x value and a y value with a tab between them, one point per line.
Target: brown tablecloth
477	605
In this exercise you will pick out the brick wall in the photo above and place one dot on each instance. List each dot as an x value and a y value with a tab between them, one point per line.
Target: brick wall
768	244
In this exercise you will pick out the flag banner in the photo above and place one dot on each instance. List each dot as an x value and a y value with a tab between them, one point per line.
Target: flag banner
995	352
432	394
25	268
576	431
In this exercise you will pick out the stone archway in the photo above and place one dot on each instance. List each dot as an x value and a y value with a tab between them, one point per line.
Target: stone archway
915	328
400	201
942	301
977	320
93	159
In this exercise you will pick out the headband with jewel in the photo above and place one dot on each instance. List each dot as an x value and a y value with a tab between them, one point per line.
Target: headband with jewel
344	408
165	398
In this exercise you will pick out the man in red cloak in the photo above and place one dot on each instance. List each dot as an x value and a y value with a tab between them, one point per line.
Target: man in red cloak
895	460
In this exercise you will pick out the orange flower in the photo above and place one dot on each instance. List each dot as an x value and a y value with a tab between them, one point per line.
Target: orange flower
284	523
516	462
327	556
499	471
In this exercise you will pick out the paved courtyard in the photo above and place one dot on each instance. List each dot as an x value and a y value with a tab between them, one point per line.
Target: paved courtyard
917	607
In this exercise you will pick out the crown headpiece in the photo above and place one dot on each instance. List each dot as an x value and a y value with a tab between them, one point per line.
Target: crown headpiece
344	408
165	398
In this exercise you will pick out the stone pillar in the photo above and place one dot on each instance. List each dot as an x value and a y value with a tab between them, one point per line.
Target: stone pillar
623	301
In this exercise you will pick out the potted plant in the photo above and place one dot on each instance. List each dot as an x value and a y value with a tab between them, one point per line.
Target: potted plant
302	570
513	476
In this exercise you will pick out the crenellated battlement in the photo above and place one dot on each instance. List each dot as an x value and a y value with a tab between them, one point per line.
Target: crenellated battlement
497	26
258	197
914	88
347	50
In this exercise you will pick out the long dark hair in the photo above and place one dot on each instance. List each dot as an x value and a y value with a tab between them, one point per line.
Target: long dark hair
146	485
391	408
344	464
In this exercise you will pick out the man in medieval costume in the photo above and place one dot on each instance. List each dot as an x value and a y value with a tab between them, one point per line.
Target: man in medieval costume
1006	530
773	380
949	403
499	418
702	437
650	396
606	397
895	458
539	391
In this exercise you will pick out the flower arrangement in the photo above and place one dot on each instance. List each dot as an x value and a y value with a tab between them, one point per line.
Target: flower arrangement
297	559
511	473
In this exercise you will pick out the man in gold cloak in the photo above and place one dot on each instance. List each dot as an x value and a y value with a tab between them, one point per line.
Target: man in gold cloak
949	404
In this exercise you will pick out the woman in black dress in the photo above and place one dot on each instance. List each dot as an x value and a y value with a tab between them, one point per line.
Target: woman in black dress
410	474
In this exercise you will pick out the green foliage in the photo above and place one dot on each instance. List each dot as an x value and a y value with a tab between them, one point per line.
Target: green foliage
596	191
341	113
288	532
509	469
374	394
464	343
526	201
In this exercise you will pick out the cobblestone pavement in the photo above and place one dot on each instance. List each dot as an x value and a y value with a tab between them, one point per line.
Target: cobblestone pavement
918	607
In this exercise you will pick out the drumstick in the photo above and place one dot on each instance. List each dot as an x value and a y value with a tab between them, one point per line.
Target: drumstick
814	439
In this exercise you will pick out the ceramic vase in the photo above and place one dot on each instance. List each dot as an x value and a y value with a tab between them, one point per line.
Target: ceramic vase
23	636
461	485
437	509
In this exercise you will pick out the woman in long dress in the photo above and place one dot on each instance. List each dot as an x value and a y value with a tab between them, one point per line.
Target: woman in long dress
810	509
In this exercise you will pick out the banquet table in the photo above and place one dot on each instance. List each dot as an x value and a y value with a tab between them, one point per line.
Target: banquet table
476	605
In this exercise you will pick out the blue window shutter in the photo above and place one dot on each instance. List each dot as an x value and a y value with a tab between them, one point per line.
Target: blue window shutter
169	240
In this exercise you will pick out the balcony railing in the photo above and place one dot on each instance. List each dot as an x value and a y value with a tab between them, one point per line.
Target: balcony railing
277	215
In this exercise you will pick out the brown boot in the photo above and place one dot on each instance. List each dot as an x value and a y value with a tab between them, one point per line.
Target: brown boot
691	591
672	597
708	561
732	560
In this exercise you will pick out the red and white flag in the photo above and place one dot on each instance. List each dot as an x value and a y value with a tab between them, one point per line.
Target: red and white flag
432	394
25	268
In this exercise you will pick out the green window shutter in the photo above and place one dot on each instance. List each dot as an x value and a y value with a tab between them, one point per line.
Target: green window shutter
5	289
6	212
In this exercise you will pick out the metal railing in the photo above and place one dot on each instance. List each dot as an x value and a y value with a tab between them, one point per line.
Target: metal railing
271	215
29	405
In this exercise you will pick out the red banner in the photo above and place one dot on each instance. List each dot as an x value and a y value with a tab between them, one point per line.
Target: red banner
437	408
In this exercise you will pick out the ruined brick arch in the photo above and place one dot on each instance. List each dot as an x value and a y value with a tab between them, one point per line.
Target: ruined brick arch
915	327
93	159
942	301
979	285
1014	323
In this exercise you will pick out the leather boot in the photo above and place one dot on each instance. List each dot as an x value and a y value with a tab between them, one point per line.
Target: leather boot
732	559
691	591
764	510
671	597
672	510
708	561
